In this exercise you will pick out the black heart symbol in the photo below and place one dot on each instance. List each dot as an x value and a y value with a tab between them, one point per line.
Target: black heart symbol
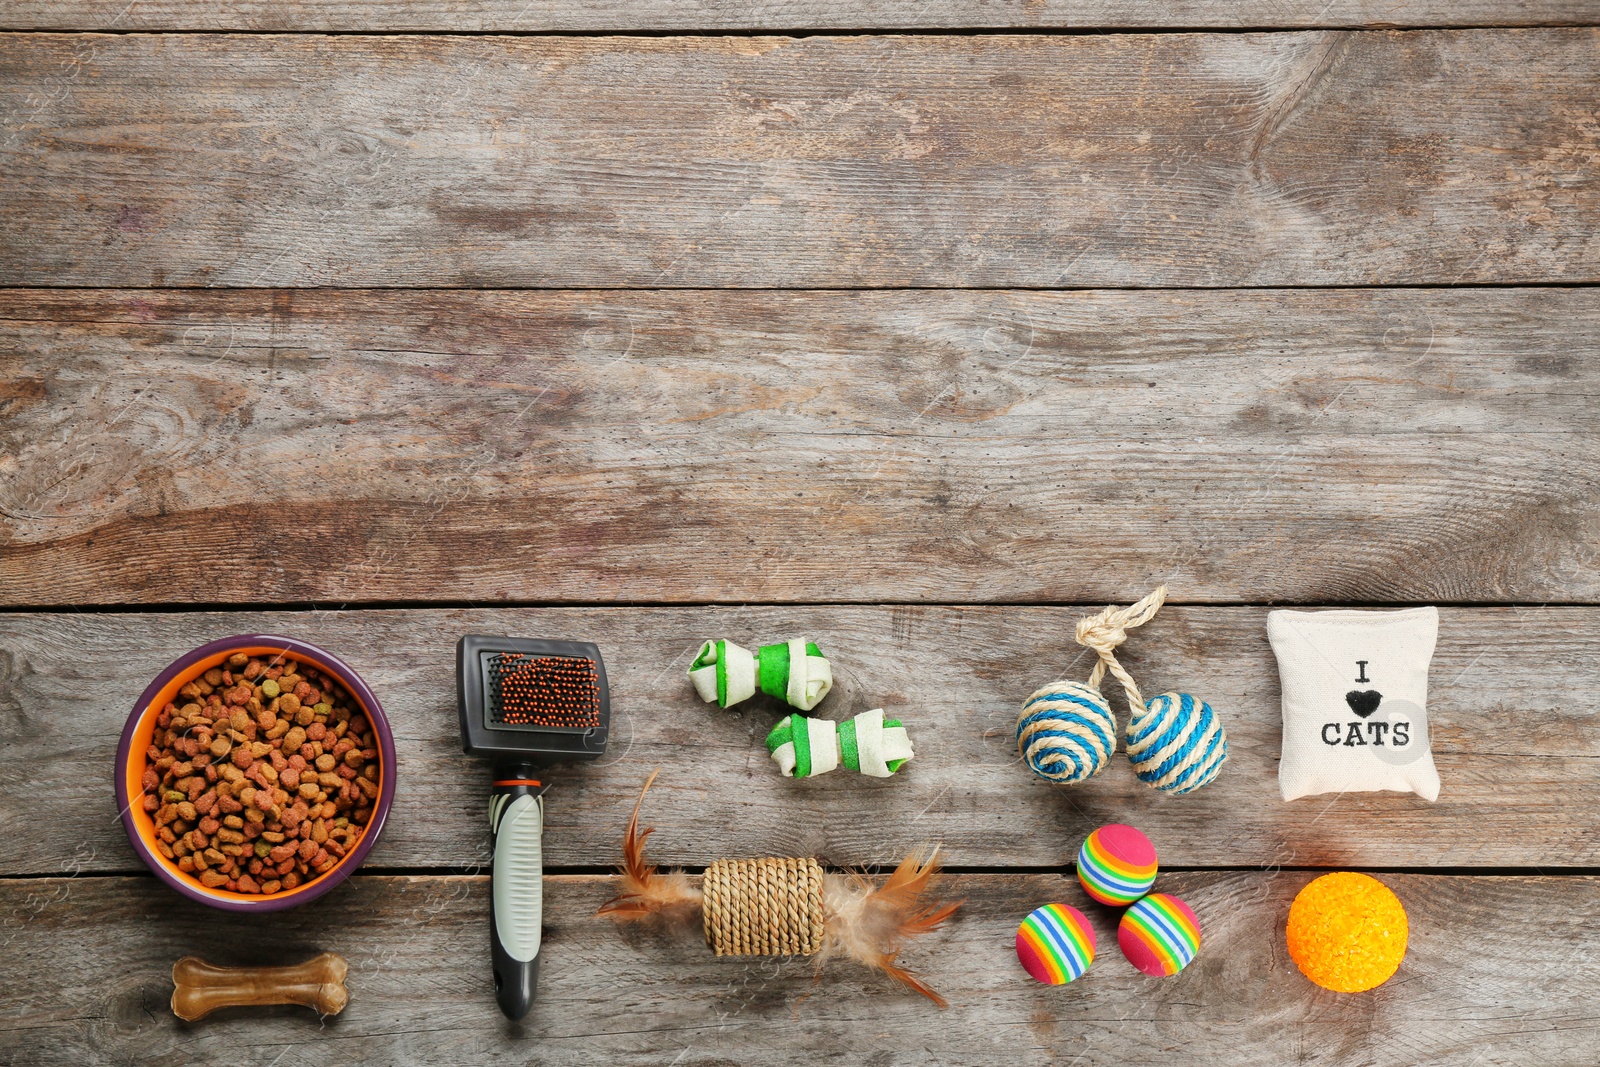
1363	701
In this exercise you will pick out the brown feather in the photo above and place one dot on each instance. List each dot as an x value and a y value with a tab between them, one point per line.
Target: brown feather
641	892
870	924
903	893
928	919
888	966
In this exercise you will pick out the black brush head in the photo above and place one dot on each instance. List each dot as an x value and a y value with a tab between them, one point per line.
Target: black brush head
521	698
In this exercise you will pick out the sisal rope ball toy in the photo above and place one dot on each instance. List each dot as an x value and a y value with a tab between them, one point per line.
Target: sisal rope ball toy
1177	744
1066	732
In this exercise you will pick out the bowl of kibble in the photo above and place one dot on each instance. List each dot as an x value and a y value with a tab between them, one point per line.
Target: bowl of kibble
255	773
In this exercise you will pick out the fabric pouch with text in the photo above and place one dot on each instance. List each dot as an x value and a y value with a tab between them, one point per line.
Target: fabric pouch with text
1355	697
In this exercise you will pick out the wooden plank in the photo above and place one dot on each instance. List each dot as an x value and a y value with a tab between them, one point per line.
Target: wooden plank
624	16
1312	158
1499	971
691	446
1514	720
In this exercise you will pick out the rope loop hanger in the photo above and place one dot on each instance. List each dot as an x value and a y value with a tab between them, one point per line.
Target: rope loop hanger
1102	634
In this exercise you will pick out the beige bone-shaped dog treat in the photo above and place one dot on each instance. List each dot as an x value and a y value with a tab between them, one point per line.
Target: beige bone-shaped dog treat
201	988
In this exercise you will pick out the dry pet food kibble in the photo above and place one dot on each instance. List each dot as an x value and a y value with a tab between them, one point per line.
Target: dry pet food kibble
261	776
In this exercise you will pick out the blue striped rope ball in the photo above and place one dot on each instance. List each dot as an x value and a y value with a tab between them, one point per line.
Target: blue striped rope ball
1066	733
1177	743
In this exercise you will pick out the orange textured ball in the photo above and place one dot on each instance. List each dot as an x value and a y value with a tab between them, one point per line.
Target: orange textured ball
1347	932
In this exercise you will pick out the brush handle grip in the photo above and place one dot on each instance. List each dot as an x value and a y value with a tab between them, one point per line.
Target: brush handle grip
516	892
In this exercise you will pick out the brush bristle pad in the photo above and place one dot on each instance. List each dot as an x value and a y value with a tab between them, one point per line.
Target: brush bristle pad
553	692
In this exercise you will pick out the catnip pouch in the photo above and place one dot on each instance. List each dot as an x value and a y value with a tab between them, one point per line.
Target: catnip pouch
1355	697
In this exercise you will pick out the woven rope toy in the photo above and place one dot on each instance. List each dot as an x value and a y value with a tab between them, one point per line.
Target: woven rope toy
869	743
796	672
786	907
1066	732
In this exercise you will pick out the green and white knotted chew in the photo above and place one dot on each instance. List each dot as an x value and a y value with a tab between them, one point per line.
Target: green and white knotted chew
796	672
869	743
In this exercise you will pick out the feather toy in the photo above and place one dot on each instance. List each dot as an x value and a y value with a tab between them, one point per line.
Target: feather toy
784	907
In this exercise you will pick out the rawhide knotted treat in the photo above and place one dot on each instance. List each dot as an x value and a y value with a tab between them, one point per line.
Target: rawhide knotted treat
795	672
868	744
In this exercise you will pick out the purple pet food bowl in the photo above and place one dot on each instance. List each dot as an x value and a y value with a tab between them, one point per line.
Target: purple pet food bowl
138	734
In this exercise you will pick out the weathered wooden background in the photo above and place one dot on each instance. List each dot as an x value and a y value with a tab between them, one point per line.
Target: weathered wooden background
921	329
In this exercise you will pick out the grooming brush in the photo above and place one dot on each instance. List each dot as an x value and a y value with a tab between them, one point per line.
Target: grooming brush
525	703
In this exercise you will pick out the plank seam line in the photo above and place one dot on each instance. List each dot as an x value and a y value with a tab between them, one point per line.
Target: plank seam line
1065	870
1286	287
369	871
797	33
171	608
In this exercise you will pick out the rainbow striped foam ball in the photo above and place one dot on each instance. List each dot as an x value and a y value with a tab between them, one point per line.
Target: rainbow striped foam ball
1066	733
1177	743
1117	865
1055	944
1159	935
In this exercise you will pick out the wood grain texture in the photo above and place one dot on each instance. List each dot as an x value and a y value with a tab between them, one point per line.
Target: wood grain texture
1499	971
624	16
1307	158
689	446
1516	733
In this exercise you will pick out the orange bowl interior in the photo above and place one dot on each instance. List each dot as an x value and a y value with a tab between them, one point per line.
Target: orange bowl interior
145	730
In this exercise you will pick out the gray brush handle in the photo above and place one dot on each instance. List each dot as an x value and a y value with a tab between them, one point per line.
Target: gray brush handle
516	892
